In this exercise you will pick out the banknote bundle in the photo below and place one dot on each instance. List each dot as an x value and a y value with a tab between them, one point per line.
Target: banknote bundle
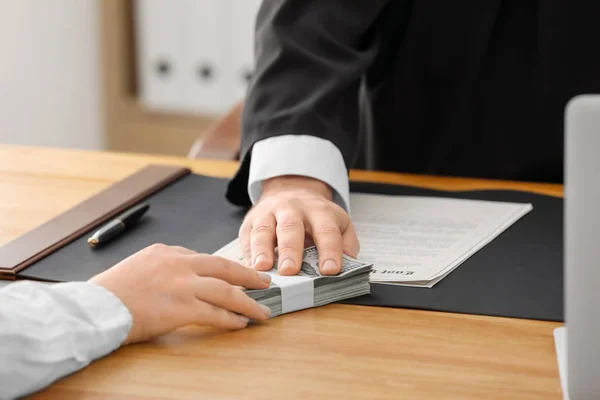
309	288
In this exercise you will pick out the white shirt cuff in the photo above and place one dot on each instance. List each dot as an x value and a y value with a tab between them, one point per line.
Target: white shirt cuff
48	331
301	155
104	310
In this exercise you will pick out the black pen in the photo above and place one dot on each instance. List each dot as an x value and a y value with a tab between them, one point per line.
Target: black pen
118	225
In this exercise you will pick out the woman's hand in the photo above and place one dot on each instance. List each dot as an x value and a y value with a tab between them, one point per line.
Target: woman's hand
167	287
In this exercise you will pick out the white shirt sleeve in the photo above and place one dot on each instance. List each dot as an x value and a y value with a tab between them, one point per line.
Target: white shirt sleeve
302	155
48	331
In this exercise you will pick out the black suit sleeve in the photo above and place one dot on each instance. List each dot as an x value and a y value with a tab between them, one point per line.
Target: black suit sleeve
310	56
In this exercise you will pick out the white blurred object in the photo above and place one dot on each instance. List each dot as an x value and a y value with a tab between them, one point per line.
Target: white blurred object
194	56
578	347
50	74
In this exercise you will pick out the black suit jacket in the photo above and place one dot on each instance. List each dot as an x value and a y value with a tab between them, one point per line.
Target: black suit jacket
462	88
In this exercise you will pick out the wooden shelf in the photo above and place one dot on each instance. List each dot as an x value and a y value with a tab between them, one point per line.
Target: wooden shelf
128	126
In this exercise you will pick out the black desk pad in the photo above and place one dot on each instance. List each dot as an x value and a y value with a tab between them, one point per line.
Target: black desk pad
519	274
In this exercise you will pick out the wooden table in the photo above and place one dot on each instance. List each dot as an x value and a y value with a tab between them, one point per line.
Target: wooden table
336	351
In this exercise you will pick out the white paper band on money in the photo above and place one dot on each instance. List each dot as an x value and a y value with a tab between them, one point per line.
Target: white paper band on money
297	292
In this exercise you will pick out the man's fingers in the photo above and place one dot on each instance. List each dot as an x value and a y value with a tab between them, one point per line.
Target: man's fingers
223	295
351	245
290	241
262	242
327	236
231	272
308	240
244	239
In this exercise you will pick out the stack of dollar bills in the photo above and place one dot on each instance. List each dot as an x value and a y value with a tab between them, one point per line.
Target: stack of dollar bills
352	281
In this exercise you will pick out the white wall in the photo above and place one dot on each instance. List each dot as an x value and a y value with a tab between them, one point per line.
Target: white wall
50	73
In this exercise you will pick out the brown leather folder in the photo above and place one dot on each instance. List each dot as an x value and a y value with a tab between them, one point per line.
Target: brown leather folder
17	255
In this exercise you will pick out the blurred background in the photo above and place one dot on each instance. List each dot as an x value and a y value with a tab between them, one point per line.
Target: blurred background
151	76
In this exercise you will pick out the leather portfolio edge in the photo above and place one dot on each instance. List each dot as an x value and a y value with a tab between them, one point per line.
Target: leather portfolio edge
25	250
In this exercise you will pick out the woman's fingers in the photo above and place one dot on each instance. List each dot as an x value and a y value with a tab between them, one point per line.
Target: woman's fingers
223	295
208	314
226	270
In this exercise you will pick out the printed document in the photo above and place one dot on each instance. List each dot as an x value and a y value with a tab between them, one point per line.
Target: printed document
417	241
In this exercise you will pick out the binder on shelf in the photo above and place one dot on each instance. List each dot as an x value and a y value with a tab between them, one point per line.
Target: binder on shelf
205	57
243	17
159	37
194	56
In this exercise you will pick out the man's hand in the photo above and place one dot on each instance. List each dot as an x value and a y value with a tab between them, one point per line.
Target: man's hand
167	287
289	207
